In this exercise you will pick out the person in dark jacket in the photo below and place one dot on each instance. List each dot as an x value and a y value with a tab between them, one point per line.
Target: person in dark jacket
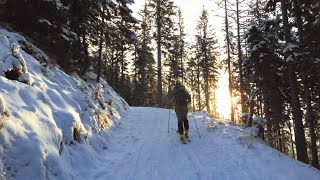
180	97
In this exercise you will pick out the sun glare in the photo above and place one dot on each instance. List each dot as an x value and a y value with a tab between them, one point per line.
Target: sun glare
223	97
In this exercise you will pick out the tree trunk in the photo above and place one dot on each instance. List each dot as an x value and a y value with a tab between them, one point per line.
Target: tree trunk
242	98
301	144
307	95
159	97
86	55
310	120
100	46
250	117
122	65
229	60
181	46
214	103
206	71
198	88
292	145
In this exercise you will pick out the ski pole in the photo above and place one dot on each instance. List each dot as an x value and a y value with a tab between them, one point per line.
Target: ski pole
169	115
196	125
168	120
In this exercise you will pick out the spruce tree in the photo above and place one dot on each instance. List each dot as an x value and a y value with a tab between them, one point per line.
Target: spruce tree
163	14
207	54
143	62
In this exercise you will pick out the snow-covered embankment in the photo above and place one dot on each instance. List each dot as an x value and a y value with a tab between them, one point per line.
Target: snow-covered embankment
50	119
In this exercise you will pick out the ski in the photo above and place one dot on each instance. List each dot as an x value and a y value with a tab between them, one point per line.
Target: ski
183	141
188	138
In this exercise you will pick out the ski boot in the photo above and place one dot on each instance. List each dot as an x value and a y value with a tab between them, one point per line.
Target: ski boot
182	139
187	136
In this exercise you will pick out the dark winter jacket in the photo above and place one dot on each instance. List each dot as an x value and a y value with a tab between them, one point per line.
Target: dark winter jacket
180	97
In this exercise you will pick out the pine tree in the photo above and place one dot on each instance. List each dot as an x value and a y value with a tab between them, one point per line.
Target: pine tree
229	60
296	106
176	52
144	72
307	68
206	54
164	13
182	45
241	81
263	62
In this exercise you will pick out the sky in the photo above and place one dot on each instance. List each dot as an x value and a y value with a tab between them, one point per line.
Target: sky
191	10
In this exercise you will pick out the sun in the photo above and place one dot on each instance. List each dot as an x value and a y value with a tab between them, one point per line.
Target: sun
223	96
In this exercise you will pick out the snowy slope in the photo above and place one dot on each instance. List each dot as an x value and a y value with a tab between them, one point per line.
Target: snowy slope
55	123
142	149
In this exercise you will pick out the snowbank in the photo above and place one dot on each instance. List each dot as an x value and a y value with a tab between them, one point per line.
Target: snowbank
55	120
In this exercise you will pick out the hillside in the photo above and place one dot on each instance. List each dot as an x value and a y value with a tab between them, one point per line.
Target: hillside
50	120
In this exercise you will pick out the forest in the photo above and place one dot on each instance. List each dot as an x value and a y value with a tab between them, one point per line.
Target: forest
271	54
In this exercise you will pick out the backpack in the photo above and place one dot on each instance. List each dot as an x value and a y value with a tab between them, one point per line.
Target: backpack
181	96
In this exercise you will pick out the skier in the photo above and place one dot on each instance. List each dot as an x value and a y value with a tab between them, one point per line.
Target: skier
180	97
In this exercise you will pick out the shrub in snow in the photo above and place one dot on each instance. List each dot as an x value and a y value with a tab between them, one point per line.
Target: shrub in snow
244	117
13	66
258	124
104	120
100	104
99	95
99	91
76	135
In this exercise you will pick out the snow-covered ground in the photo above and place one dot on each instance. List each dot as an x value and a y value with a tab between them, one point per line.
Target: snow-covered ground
141	148
62	128
53	122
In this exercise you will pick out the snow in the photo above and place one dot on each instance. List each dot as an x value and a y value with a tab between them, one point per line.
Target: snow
65	37
258	122
247	33
290	59
317	21
258	46
45	21
69	33
142	148
3	107
289	47
62	127
13	60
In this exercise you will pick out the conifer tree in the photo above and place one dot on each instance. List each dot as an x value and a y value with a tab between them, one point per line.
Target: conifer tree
163	13
207	54
144	72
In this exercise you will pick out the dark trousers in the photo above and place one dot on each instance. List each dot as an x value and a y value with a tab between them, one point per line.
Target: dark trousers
182	112
183	123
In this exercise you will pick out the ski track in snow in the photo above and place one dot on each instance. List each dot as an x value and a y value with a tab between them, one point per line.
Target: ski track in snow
140	148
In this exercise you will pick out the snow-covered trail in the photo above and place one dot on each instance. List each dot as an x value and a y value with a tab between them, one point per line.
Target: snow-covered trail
141	148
